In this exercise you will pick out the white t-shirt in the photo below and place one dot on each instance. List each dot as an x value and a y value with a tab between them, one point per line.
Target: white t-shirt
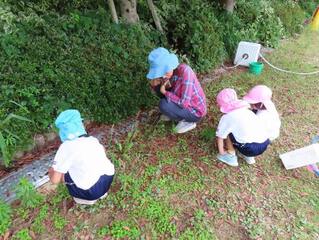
85	160
271	120
245	126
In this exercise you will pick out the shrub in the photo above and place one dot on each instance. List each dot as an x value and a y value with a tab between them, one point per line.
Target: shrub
234	31
291	16
309	6
51	62
193	29
61	6
260	21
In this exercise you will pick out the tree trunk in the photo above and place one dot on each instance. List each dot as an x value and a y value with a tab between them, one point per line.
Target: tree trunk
155	16
113	11
229	5
128	11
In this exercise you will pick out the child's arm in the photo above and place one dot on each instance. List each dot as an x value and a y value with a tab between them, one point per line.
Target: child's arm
220	145
55	177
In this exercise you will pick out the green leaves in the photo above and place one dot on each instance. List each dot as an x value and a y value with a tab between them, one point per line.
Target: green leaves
71	60
5	217
4	142
28	195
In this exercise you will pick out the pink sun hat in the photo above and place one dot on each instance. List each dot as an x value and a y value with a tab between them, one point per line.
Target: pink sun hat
227	101
260	94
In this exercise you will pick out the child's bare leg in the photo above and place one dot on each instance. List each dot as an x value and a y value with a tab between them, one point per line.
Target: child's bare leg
229	146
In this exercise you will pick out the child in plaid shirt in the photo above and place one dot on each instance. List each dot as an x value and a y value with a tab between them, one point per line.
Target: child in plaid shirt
183	98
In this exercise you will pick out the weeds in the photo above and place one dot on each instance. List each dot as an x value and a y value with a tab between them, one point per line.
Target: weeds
8	138
23	234
5	217
120	229
27	194
38	223
160	215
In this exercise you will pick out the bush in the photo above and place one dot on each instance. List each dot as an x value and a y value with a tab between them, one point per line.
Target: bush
291	16
309	6
234	31
61	6
259	21
194	31
52	62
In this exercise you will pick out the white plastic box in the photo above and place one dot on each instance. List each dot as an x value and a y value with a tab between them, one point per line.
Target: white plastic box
247	52
301	157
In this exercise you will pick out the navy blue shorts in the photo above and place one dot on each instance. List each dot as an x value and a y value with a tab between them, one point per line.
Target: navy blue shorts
249	149
95	192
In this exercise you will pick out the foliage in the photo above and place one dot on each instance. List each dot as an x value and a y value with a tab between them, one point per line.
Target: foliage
260	21
161	216
61	194
59	221
5	217
208	134
7	138
309	6
120	229
52	62
22	234
37	224
291	15
61	6
193	29
27	194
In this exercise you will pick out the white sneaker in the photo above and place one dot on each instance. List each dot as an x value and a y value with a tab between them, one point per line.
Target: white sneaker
104	196
249	160
83	201
183	126
164	118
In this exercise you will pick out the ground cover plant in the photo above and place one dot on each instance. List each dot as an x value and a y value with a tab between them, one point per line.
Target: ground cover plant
170	186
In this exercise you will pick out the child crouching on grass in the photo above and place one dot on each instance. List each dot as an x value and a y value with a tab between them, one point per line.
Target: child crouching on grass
259	98
238	128
80	161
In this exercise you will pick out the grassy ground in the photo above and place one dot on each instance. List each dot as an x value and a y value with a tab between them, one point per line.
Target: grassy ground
171	186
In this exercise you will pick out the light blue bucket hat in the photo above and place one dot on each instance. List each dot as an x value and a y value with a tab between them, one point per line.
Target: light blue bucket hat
161	62
70	125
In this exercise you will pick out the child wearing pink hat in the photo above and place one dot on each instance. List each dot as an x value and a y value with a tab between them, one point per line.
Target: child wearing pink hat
259	98
238	128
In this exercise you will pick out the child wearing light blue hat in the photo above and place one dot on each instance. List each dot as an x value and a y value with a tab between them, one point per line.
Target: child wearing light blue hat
182	97
80	162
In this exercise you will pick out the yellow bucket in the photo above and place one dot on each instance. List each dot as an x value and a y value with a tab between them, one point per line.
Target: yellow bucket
315	20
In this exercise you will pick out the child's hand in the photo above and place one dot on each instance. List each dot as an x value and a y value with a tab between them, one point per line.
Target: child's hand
163	87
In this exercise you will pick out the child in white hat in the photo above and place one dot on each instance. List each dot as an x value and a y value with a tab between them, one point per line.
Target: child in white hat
80	161
259	98
238	128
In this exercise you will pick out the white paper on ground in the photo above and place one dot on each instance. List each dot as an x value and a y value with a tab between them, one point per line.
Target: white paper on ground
301	157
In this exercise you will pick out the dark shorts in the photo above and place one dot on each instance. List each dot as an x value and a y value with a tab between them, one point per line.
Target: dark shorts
95	192
249	149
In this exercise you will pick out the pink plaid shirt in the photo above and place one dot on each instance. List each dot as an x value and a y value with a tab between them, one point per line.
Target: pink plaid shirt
186	91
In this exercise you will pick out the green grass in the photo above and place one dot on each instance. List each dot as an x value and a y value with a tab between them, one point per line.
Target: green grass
170	186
